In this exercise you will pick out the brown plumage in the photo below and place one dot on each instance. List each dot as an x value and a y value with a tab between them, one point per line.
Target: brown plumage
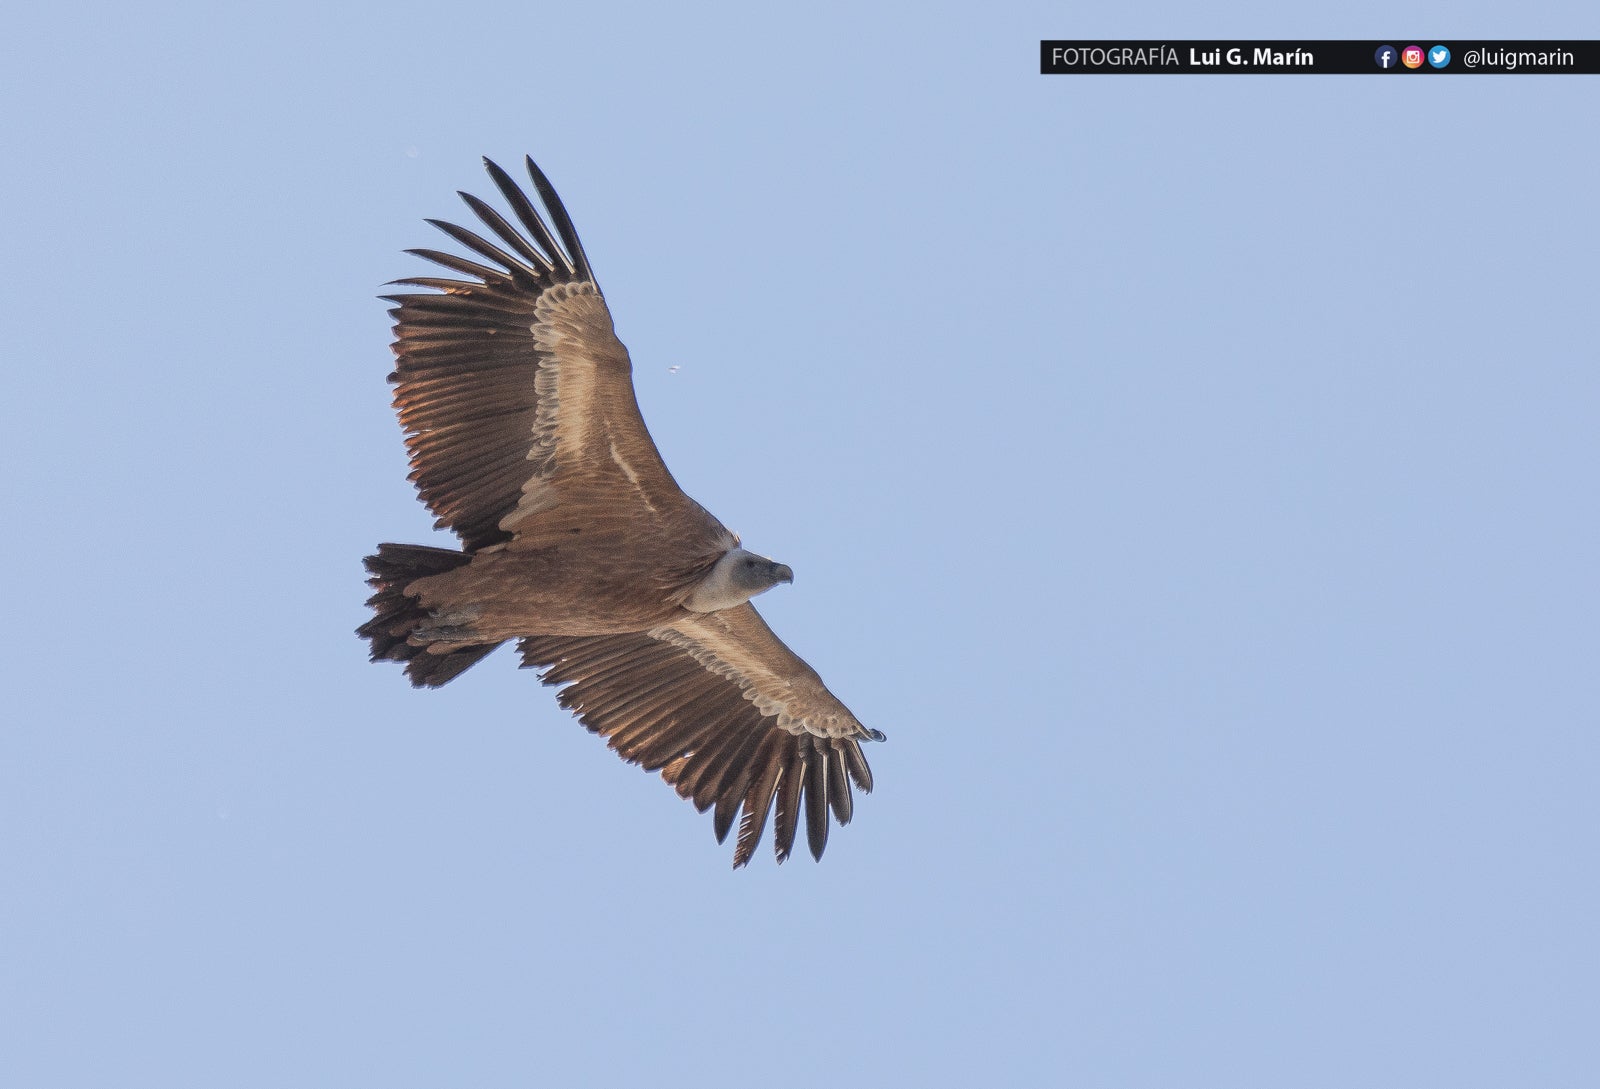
525	438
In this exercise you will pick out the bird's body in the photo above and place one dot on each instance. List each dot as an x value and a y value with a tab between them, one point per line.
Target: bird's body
526	439
573	587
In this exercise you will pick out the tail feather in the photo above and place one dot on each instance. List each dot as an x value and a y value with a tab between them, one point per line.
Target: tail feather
397	617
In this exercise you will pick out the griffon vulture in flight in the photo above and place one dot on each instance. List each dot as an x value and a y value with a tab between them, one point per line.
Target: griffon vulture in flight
526	440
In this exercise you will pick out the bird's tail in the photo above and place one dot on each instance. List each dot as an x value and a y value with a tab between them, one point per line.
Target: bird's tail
395	629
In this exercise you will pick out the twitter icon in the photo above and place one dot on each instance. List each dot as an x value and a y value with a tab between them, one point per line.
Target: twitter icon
1438	56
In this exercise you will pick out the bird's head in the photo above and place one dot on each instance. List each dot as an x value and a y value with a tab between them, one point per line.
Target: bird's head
757	573
737	577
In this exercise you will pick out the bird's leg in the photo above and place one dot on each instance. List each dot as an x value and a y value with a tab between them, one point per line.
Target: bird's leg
452	625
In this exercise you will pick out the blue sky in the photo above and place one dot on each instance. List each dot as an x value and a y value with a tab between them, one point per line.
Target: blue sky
1194	478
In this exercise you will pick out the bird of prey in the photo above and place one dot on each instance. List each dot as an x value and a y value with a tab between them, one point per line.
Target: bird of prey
517	402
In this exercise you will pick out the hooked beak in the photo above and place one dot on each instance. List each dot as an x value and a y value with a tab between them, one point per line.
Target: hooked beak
782	573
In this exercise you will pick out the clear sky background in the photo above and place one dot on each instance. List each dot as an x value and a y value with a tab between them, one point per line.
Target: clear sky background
1195	478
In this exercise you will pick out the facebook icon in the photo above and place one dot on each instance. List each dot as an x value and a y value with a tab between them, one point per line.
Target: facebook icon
1385	56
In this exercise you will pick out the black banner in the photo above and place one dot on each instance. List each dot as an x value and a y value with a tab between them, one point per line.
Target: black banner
1398	56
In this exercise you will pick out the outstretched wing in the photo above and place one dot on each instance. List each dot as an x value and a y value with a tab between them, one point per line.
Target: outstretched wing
514	392
728	714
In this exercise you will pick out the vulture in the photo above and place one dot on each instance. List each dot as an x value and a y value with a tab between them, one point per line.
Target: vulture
525	439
